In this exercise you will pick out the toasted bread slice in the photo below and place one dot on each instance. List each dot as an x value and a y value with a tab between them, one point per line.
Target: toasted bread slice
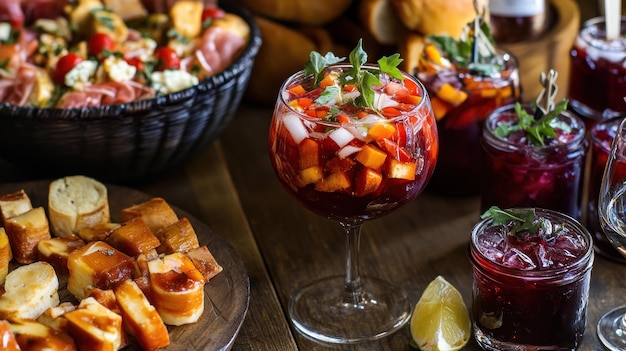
156	213
5	255
54	316
140	318
177	237
56	251
32	335
30	290
95	326
77	202
97	264
176	289
133	237
14	204
204	262
99	232
25	232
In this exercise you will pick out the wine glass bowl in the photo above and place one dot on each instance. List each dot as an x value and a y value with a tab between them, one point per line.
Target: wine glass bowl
352	164
612	214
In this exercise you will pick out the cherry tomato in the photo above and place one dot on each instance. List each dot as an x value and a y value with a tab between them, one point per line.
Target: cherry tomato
167	58
99	42
212	12
64	65
136	61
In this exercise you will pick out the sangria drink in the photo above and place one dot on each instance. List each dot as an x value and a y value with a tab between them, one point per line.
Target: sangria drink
531	280
520	173
599	63
601	136
462	98
349	163
352	142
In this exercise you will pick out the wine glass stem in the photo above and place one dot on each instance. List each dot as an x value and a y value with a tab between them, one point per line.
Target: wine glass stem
353	293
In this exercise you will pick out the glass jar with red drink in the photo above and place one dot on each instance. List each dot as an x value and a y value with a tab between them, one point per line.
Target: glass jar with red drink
522	173
513	21
532	269
462	97
597	84
601	136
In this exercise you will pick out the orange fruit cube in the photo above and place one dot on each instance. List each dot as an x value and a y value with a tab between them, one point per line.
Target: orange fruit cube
371	156
449	93
367	181
311	175
401	170
381	130
309	153
337	181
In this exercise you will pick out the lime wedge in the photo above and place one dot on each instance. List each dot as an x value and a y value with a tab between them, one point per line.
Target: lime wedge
440	320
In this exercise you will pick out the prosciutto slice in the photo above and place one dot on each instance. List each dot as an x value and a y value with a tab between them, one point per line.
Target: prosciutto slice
105	94
218	48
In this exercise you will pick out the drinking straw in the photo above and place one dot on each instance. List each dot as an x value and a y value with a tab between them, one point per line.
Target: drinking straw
474	57
613	14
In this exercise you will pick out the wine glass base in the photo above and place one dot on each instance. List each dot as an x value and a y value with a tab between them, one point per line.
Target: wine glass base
612	330
319	312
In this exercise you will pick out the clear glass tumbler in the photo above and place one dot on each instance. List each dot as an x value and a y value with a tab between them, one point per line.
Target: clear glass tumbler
530	289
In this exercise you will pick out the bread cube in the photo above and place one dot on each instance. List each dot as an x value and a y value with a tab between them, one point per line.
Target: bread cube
99	232
5	255
56	251
7	338
141	319
14	204
32	335
176	289
204	262
177	237
25	231
54	317
29	291
186	17
94	327
156	212
77	202
99	265
133	237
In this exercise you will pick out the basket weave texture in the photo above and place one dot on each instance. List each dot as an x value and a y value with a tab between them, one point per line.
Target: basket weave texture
130	142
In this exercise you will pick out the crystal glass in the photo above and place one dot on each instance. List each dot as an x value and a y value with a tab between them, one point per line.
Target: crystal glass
530	290
611	327
463	99
519	174
597	86
351	170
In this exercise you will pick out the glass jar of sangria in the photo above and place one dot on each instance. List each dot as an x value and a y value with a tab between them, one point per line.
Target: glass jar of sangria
462	97
514	21
521	171
598	66
532	269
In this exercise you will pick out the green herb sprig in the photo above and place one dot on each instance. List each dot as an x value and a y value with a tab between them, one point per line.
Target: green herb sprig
364	80
541	124
520	220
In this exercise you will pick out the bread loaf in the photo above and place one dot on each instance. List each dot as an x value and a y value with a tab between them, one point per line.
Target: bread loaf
77	202
310	12
380	19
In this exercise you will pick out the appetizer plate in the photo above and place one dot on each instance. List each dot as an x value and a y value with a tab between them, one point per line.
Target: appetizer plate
227	295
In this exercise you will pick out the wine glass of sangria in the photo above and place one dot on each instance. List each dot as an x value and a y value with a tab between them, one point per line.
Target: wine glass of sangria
612	213
352	142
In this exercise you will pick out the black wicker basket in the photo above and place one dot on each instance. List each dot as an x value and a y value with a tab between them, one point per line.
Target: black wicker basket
129	142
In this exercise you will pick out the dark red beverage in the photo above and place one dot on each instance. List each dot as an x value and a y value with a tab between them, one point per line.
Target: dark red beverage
461	100
531	288
520	174
350	163
601	64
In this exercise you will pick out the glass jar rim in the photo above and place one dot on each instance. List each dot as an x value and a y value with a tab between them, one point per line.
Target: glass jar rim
609	124
300	75
592	33
501	144
581	264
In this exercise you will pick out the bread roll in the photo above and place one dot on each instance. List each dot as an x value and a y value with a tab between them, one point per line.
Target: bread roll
380	19
283	52
77	202
440	17
312	12
410	48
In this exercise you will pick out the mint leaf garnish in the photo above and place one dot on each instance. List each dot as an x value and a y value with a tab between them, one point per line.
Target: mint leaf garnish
519	220
318	63
329	95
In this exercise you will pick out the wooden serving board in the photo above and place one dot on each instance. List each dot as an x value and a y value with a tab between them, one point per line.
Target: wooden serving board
226	296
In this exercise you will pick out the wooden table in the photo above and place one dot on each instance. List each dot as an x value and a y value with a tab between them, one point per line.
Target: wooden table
233	189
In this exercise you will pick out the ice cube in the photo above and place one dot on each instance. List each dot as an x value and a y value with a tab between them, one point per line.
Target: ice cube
515	258
341	136
347	151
